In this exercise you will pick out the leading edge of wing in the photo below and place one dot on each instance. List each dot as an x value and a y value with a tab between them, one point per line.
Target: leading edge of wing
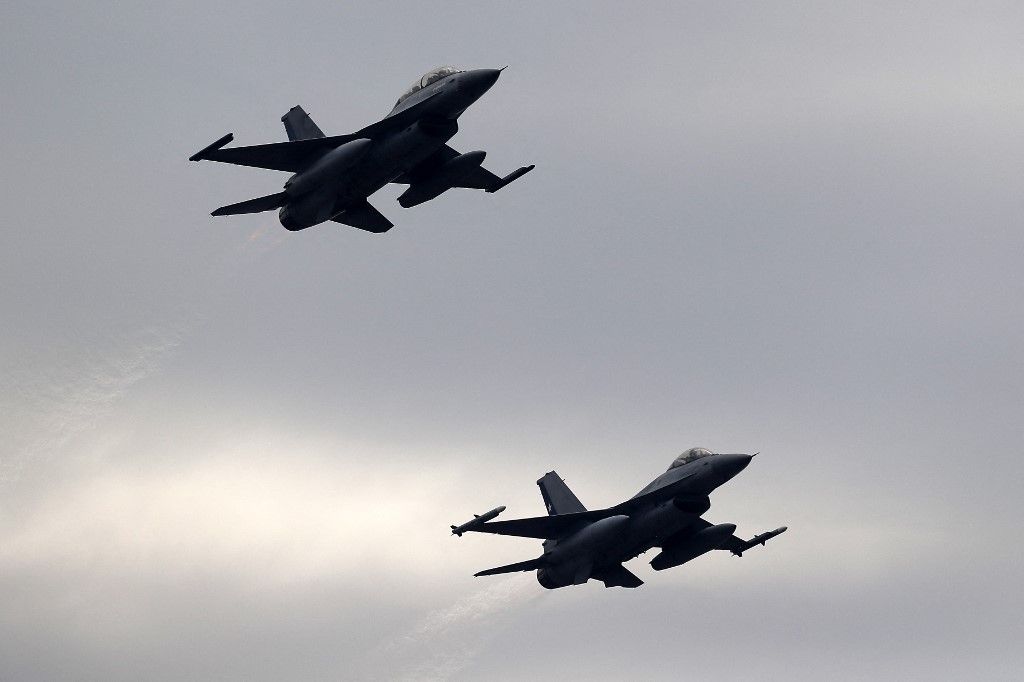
291	157
543	527
296	155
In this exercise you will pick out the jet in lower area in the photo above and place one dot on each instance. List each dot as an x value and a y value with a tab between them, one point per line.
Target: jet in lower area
333	176
580	544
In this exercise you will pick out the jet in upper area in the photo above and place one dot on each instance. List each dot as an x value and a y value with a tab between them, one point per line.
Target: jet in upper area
333	176
580	544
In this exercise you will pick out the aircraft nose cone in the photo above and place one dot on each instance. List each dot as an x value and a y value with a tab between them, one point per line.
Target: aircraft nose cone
480	81
488	76
730	465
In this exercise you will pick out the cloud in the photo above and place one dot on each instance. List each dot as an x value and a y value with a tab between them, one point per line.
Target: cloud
265	519
59	392
794	231
49	403
448	640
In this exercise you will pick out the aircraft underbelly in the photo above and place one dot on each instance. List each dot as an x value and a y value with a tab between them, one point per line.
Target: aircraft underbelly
647	529
390	157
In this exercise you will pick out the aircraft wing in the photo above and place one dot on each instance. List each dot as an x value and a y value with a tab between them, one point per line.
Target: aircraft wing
543	527
477	178
292	157
472	177
735	544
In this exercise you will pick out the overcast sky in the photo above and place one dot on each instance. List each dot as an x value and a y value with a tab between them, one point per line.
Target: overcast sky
232	452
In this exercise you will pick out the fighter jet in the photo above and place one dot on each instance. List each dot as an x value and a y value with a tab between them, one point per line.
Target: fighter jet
580	544
333	176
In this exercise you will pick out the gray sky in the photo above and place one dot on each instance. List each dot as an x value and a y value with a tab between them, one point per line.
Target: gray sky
232	452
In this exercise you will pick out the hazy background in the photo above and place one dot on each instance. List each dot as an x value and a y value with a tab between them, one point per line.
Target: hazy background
233	452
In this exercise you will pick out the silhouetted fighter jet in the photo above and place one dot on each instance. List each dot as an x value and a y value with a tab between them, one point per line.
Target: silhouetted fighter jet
580	544
334	176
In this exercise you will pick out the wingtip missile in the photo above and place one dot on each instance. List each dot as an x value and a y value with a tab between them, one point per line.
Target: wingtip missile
765	537
201	154
760	539
477	521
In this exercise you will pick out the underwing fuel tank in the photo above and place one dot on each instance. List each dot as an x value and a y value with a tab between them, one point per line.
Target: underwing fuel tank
701	542
477	521
455	168
444	179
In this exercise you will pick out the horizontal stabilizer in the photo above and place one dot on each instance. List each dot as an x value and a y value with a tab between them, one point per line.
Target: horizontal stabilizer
531	565
257	205
617	576
365	217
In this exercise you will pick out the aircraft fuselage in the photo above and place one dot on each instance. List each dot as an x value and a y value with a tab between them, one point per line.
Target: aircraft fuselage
333	184
349	174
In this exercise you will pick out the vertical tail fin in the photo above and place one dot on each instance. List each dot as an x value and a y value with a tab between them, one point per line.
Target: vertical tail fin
557	496
299	125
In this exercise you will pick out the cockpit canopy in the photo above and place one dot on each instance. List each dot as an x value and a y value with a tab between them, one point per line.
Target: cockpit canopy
689	456
429	77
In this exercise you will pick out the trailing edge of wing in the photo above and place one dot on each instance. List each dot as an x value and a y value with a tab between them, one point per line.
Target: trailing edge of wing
530	565
543	527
